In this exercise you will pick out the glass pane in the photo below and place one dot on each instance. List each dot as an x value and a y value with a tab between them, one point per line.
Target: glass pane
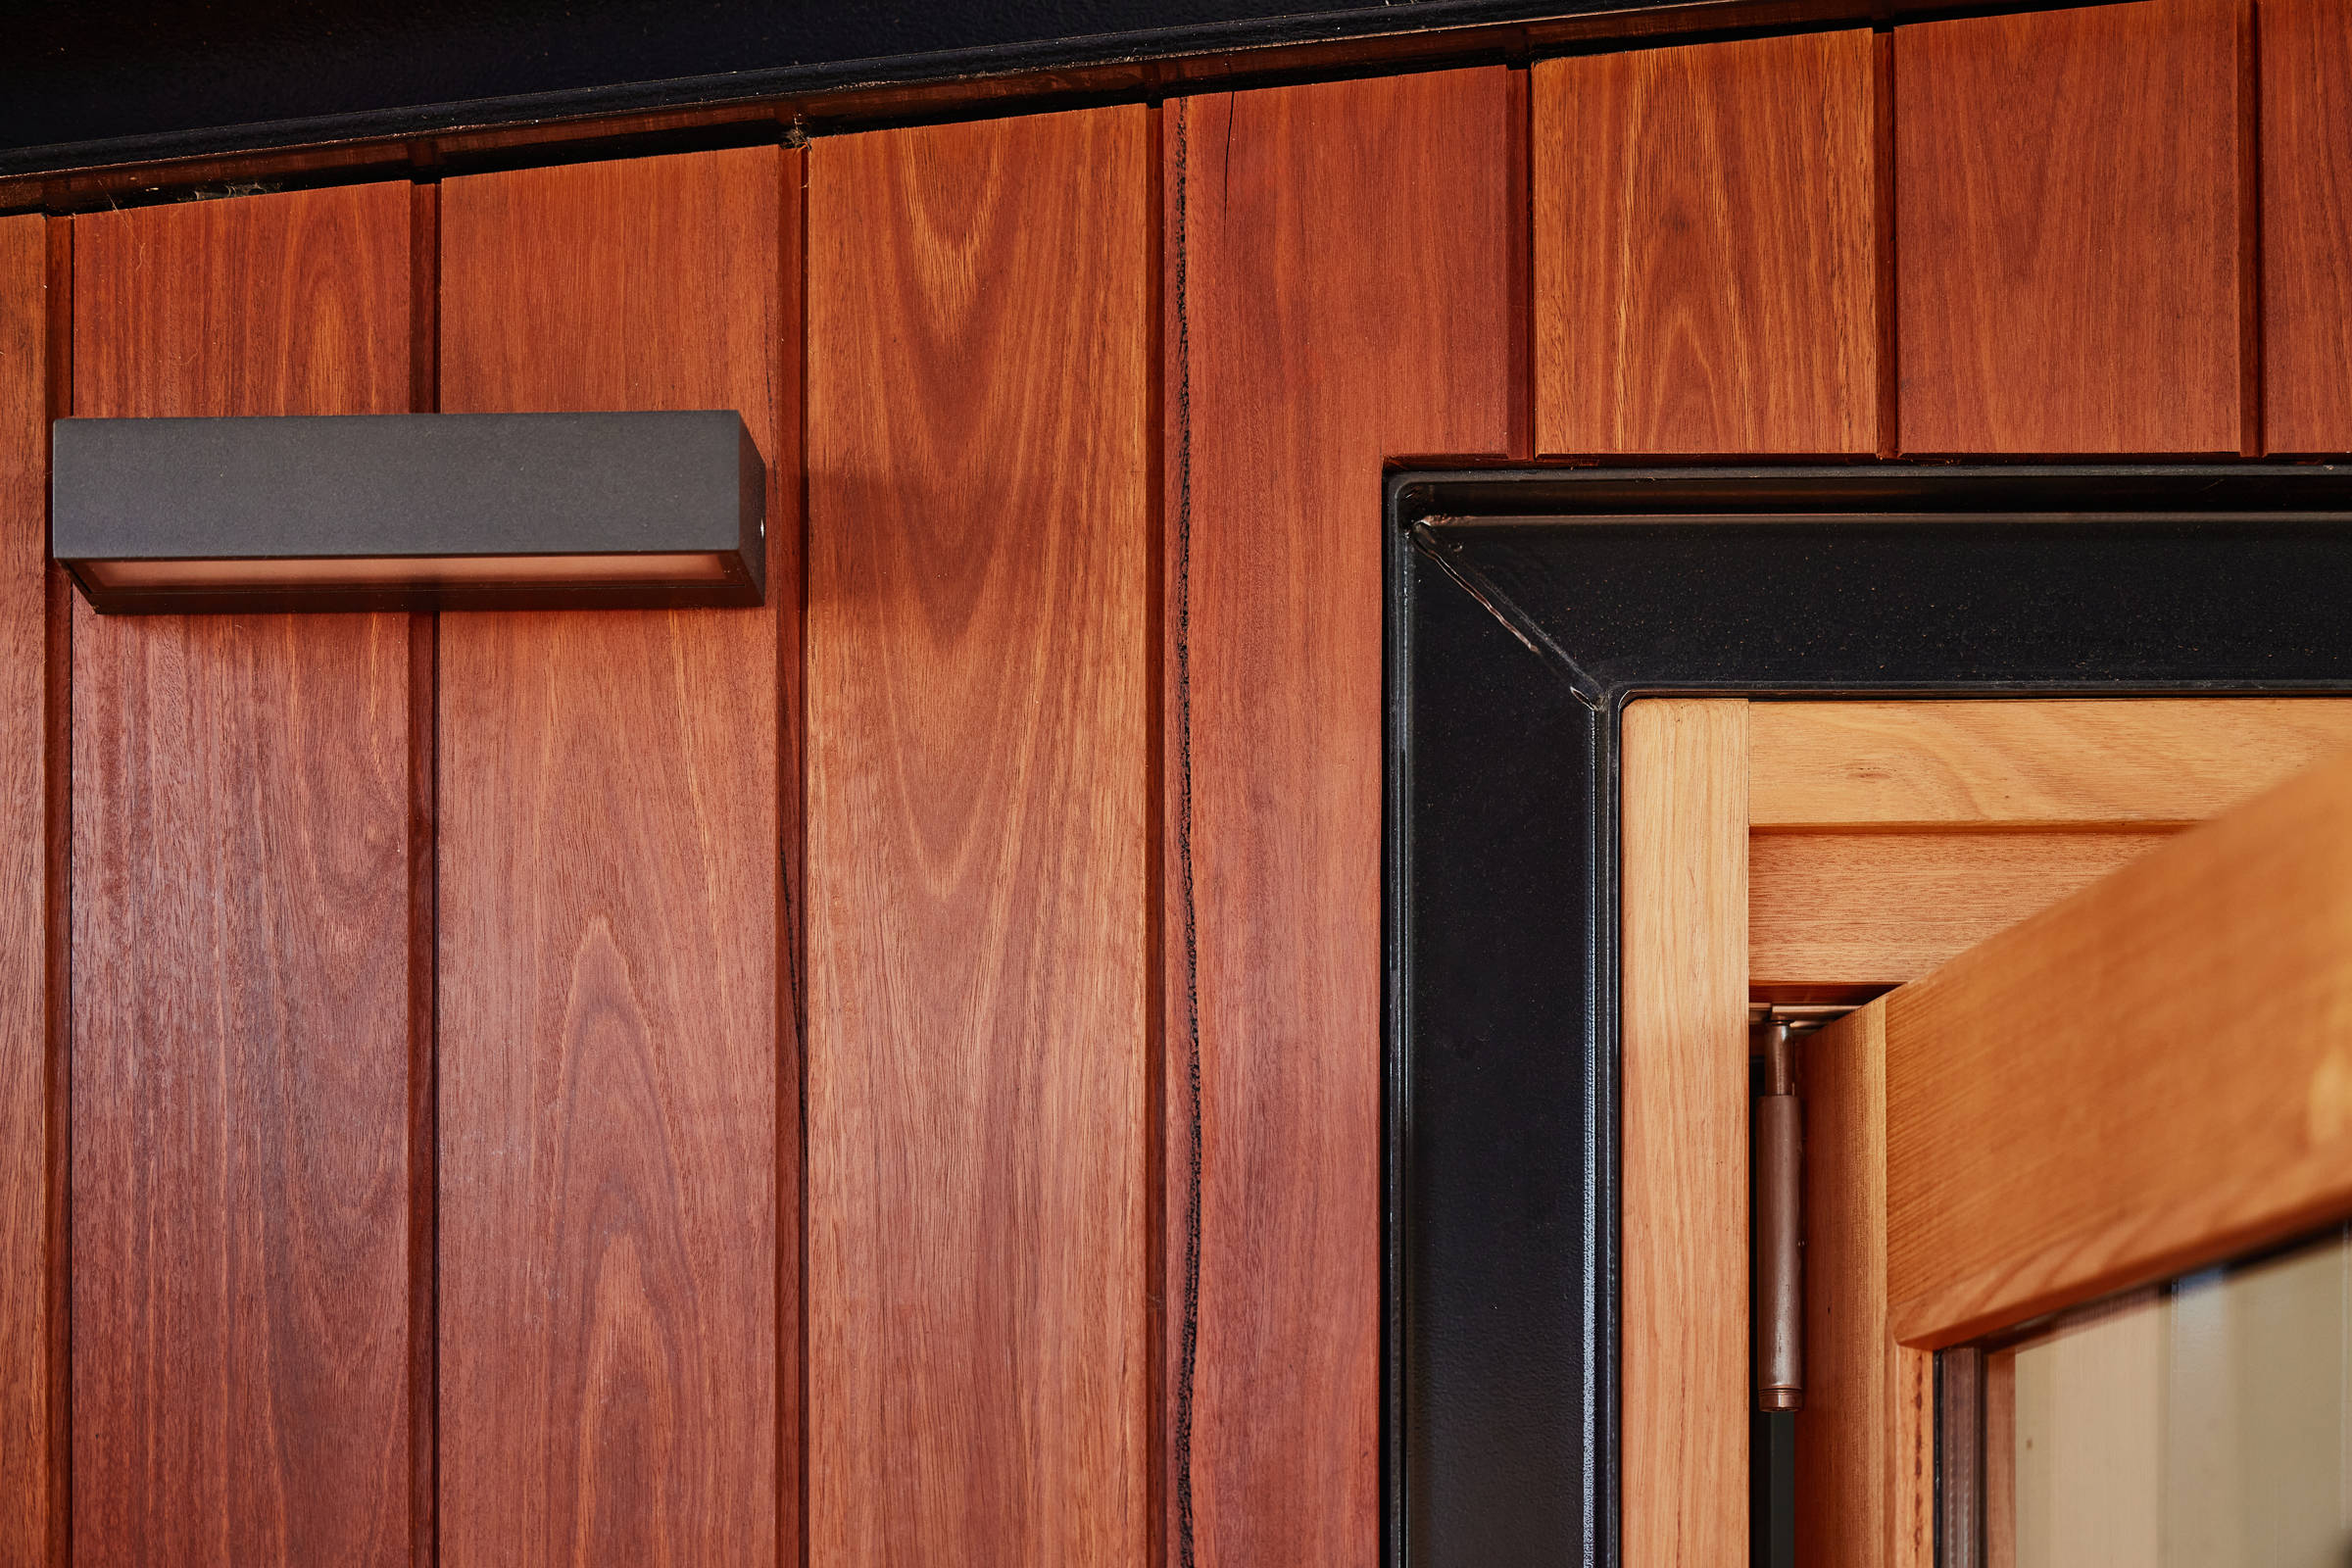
2203	1424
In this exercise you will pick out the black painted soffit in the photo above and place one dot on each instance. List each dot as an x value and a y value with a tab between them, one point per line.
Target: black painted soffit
82	86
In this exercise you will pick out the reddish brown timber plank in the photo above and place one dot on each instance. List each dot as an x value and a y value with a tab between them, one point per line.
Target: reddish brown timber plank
979	582
611	1028
240	944
1341	260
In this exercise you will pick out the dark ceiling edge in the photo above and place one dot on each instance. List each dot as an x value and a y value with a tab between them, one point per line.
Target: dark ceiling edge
1009	61
963	82
959	84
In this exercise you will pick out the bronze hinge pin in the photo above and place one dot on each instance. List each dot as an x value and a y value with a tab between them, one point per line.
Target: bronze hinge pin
1779	1341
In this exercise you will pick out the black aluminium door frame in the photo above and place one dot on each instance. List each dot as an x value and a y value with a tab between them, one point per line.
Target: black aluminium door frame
1524	610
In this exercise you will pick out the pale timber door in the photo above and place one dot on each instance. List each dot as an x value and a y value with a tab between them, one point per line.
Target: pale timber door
2079	1290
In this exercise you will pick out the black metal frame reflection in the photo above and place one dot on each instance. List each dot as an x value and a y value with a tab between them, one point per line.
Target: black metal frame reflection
1524	609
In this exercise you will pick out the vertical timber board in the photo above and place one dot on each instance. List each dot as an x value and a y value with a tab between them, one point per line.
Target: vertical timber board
980	517
240	944
1684	1085
25	1459
612	1023
787	594
1865	1448
1705	247
1843	1441
2068	215
2306	225
1339	263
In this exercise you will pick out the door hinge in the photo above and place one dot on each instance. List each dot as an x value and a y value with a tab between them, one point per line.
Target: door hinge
1780	1155
1801	1017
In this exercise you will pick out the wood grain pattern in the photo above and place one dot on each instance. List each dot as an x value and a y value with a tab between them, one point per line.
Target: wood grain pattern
2067	214
240	946
2029	763
979	583
24	1327
1829	906
788	592
1911	1511
1685	1113
57	789
1877	909
1865	1450
424	912
1999	1464
1705	273
612	1022
1340	282
2306	225
2150	1076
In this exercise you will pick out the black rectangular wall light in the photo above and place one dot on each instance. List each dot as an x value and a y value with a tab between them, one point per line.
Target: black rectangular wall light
411	511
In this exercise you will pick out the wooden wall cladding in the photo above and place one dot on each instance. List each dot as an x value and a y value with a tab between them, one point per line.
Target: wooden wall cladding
240	944
24	1327
1706	248
613	1033
1342	263
1099	407
979	1070
2070	234
2306	225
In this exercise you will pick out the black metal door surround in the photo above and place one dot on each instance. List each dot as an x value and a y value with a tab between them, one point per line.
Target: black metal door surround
1524	609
